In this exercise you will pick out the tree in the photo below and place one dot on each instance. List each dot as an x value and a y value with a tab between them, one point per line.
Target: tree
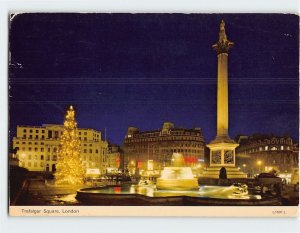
69	168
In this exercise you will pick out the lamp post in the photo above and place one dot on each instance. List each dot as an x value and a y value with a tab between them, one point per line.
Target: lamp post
259	162
244	167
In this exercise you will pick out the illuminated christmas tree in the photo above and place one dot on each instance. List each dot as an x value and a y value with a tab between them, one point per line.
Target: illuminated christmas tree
70	170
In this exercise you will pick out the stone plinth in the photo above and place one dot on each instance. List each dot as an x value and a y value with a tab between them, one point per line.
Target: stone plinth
232	173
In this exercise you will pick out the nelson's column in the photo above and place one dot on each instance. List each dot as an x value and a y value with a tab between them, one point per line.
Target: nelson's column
222	148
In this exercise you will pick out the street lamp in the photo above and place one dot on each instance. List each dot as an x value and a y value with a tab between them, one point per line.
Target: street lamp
244	167
259	162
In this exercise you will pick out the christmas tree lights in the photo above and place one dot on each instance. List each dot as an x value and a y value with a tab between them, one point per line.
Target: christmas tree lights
70	170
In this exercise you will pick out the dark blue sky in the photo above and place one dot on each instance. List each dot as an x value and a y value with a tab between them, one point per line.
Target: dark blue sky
121	70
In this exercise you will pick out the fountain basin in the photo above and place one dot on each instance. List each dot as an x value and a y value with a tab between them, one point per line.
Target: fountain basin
149	196
177	178
177	184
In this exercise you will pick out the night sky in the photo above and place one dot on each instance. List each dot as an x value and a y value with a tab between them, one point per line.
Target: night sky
121	70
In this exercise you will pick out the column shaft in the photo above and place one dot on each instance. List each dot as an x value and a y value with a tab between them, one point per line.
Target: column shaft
222	103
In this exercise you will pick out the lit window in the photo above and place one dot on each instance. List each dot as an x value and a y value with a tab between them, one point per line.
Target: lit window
281	147
266	147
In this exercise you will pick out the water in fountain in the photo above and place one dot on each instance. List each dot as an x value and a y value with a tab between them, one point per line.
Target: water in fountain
177	177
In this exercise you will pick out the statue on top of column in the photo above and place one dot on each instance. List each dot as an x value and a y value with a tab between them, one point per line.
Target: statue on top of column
223	45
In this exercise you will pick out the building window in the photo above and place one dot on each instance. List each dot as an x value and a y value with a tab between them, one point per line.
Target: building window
79	133
37	131
36	137
23	143
54	158
281	147
30	136
266	147
85	139
35	149
29	148
42	149
42	164
84	150
91	151
29	143
29	164
43	131
24	130
54	149
30	131
42	157
96	151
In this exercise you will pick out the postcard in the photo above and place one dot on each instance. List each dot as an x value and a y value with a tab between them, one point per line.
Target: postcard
153	114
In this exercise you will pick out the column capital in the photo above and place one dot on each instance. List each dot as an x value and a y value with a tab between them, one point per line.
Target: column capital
223	45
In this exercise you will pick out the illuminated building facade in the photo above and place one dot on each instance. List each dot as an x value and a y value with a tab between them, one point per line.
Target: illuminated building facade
263	153
152	150
113	158
36	147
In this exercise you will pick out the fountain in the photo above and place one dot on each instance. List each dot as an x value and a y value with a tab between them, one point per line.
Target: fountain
176	186
177	177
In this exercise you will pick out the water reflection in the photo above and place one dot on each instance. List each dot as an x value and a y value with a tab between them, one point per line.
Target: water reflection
221	192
